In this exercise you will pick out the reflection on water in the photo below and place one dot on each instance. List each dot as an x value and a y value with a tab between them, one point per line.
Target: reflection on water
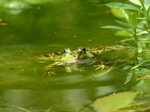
62	100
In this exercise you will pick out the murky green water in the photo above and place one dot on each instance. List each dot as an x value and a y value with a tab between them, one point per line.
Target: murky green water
51	26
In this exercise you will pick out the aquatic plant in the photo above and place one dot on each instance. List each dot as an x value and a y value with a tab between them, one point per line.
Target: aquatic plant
136	22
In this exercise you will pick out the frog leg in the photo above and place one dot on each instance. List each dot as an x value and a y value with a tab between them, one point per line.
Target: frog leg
101	66
48	69
91	61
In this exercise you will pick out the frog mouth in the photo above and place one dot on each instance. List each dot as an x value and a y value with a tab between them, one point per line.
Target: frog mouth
80	61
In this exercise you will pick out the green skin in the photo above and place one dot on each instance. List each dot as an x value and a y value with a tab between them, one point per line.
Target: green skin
67	57
79	56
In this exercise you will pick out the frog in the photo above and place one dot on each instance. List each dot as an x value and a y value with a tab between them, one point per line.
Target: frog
82	55
66	57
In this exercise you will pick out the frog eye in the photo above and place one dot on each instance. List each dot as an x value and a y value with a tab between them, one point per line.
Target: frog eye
65	51
82	49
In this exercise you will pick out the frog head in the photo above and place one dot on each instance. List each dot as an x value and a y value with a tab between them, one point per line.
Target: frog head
75	56
68	56
67	52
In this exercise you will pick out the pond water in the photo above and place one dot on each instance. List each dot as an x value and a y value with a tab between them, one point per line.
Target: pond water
39	27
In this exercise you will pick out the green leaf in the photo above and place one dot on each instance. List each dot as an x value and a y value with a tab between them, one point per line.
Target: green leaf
148	12
140	46
139	64
141	18
114	102
147	4
126	16
129	25
136	2
128	39
129	77
126	24
116	27
123	6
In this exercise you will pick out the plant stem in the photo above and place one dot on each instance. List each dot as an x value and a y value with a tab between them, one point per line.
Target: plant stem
136	46
135	36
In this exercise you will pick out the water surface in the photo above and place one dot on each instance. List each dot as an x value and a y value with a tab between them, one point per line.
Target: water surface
52	26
